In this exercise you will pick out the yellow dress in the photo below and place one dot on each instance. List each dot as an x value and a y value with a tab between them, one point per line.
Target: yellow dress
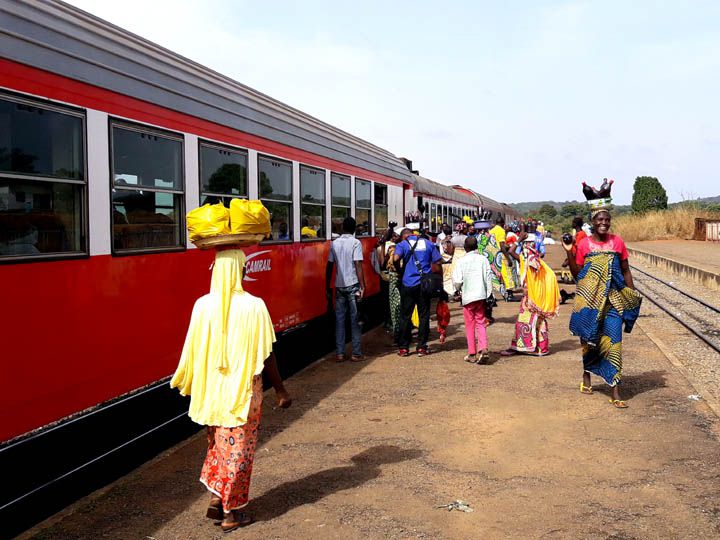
229	338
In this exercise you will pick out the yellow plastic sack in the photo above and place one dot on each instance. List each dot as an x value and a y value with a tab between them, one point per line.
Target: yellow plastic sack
208	220
249	217
415	318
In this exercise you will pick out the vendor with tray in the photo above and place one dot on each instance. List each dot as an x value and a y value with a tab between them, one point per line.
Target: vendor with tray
228	347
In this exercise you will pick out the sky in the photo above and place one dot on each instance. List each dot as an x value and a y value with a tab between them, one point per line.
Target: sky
518	100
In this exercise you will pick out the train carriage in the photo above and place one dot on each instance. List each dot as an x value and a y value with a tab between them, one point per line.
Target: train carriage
106	141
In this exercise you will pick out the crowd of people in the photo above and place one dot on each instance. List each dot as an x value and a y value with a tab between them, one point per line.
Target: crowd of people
230	338
480	262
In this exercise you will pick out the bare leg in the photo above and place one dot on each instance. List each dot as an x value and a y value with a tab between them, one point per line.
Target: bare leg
273	375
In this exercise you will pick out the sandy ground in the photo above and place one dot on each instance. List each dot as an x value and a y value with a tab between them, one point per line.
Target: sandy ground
703	255
369	450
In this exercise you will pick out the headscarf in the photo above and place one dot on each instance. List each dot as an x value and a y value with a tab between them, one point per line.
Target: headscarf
599	205
227	277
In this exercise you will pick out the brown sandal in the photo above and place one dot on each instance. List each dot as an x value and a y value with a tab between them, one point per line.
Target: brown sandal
340	358
239	519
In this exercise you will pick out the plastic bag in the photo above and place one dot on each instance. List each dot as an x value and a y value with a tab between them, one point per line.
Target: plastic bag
249	217
207	221
415	318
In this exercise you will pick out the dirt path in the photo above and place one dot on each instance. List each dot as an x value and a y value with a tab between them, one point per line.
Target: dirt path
369	450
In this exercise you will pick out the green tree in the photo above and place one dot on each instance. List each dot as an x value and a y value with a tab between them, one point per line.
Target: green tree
573	209
648	194
548	210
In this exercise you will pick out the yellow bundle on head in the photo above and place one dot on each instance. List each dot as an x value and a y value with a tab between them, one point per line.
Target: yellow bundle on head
249	217
207	221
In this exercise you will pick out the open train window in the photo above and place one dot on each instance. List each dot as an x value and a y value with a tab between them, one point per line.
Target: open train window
381	207
275	177
43	186
340	197
312	203
147	189
223	174
363	207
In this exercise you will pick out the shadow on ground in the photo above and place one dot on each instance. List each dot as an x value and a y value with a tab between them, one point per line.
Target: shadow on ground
312	488
634	385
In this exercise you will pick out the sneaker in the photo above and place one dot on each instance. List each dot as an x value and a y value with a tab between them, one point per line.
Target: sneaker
403	352
423	351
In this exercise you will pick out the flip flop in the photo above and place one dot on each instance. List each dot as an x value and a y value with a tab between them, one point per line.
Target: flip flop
471	358
508	352
619	404
340	358
586	389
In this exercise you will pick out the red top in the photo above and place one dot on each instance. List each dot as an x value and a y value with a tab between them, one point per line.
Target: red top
578	237
588	245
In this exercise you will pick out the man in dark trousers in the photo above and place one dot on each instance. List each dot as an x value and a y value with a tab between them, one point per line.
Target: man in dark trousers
419	256
346	253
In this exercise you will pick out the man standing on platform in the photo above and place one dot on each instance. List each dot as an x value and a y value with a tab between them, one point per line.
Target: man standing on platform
419	256
346	253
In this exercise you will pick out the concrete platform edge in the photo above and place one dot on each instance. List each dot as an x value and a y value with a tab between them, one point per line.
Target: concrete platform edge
703	277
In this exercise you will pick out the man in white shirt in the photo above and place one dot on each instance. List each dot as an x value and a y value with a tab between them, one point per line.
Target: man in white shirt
473	277
346	253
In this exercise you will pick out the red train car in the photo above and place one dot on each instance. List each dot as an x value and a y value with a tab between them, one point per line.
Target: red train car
106	141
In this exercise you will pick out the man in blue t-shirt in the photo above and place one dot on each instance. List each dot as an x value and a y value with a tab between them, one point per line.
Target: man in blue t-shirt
423	259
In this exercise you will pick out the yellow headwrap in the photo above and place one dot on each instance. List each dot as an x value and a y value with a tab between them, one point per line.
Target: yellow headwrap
227	277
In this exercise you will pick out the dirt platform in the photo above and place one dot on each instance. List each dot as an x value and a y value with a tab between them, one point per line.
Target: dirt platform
702	255
369	450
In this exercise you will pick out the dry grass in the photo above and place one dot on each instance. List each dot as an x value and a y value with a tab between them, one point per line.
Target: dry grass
678	222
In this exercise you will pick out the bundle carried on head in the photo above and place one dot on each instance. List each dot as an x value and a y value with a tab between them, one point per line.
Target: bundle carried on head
247	222
598	200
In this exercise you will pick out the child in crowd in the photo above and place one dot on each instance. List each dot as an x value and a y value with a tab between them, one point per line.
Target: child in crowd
473	276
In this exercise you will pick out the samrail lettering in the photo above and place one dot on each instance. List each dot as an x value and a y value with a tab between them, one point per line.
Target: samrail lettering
255	264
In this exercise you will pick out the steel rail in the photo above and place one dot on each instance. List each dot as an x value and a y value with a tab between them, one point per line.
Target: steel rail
699	334
709	306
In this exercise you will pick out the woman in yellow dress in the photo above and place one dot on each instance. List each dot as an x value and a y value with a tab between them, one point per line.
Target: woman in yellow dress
228	345
539	303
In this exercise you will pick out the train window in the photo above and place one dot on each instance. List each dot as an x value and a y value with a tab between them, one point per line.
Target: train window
340	196
223	174
381	207
147	190
363	207
433	216
42	180
312	203
276	194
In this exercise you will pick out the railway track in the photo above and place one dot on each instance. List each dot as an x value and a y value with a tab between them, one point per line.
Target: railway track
699	317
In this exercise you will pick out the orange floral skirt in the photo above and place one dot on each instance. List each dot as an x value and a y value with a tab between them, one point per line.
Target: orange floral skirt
231	452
